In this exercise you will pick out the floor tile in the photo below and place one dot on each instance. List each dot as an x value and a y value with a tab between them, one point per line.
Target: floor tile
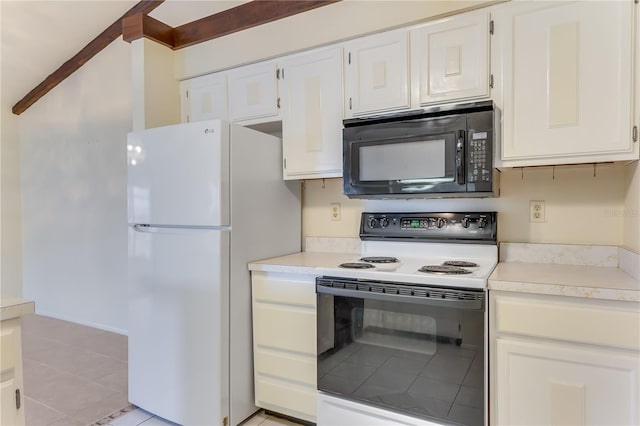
118	380
447	368
278	421
428	388
393	380
256	419
66	421
466	415
37	414
91	413
157	421
132	418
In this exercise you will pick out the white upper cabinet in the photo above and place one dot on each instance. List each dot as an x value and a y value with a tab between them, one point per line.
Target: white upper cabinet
450	58
377	73
311	90
253	92
566	70
204	98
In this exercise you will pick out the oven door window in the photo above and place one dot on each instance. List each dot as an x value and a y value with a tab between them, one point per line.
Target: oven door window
426	361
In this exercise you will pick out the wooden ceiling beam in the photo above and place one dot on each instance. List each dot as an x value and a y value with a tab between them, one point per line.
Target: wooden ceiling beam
240	18
89	51
135	24
141	25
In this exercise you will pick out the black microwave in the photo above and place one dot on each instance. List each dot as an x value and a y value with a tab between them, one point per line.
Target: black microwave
445	151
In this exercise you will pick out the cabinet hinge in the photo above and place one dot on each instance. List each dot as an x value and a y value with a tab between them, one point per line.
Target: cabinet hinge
284	163
225	421
349	58
278	103
635	133
350	104
491	27
277	73
187	94
491	81
187	119
18	401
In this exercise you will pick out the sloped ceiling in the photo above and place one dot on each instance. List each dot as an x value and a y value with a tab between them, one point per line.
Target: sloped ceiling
36	37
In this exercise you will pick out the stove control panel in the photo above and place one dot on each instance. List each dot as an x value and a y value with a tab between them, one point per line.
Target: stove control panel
479	227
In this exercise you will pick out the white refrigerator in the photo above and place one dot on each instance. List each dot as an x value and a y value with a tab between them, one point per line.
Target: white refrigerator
204	199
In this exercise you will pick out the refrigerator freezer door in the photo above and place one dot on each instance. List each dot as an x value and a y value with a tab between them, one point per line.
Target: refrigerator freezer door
179	175
179	323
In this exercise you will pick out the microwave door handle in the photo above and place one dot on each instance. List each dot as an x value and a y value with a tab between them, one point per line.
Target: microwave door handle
460	157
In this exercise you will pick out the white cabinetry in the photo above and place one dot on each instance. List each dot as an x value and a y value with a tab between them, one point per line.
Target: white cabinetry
11	387
450	58
377	73
204	98
311	89
564	360
284	343
566	70
253	92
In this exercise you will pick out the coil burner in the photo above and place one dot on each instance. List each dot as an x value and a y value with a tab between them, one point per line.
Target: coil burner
460	263
356	265
443	269
380	259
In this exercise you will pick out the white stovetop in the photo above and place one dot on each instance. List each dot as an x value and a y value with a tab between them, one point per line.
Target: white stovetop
412	257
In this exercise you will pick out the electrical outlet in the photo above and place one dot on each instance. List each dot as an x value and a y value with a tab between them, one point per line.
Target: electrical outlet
335	212
536	211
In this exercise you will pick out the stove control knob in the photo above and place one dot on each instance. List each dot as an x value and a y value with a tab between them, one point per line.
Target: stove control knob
482	222
372	222
441	222
465	222
384	222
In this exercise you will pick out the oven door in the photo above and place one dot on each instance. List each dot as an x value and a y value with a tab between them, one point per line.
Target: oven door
410	349
407	158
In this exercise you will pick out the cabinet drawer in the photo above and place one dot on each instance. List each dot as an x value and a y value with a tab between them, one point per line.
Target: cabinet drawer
285	398
603	323
285	327
284	289
298	368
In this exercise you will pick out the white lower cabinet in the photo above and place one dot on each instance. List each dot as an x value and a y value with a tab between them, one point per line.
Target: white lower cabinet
11	381
284	343
564	361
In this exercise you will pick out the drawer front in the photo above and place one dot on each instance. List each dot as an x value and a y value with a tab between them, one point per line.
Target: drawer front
614	324
284	289
283	397
285	327
294	367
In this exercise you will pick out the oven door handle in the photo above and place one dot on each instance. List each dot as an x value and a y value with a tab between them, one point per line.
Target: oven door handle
473	305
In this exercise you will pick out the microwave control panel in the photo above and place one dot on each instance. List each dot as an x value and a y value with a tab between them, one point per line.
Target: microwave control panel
479	154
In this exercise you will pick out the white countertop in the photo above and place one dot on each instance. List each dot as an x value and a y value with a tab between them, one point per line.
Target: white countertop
599	282
12	307
306	262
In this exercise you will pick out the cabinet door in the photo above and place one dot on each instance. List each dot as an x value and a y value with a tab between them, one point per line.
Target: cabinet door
204	98
567	75
312	122
284	343
553	384
253	92
451	58
11	373
377	74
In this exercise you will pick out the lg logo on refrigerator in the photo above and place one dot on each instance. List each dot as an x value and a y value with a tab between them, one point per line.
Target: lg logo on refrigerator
207	131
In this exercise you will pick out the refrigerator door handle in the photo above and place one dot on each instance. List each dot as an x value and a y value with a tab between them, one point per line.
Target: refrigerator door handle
142	227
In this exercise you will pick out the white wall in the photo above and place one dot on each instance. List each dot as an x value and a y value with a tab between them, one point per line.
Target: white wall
10	197
10	202
74	193
631	211
580	208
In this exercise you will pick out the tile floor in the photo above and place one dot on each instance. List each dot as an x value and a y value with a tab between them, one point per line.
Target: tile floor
139	417
76	375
